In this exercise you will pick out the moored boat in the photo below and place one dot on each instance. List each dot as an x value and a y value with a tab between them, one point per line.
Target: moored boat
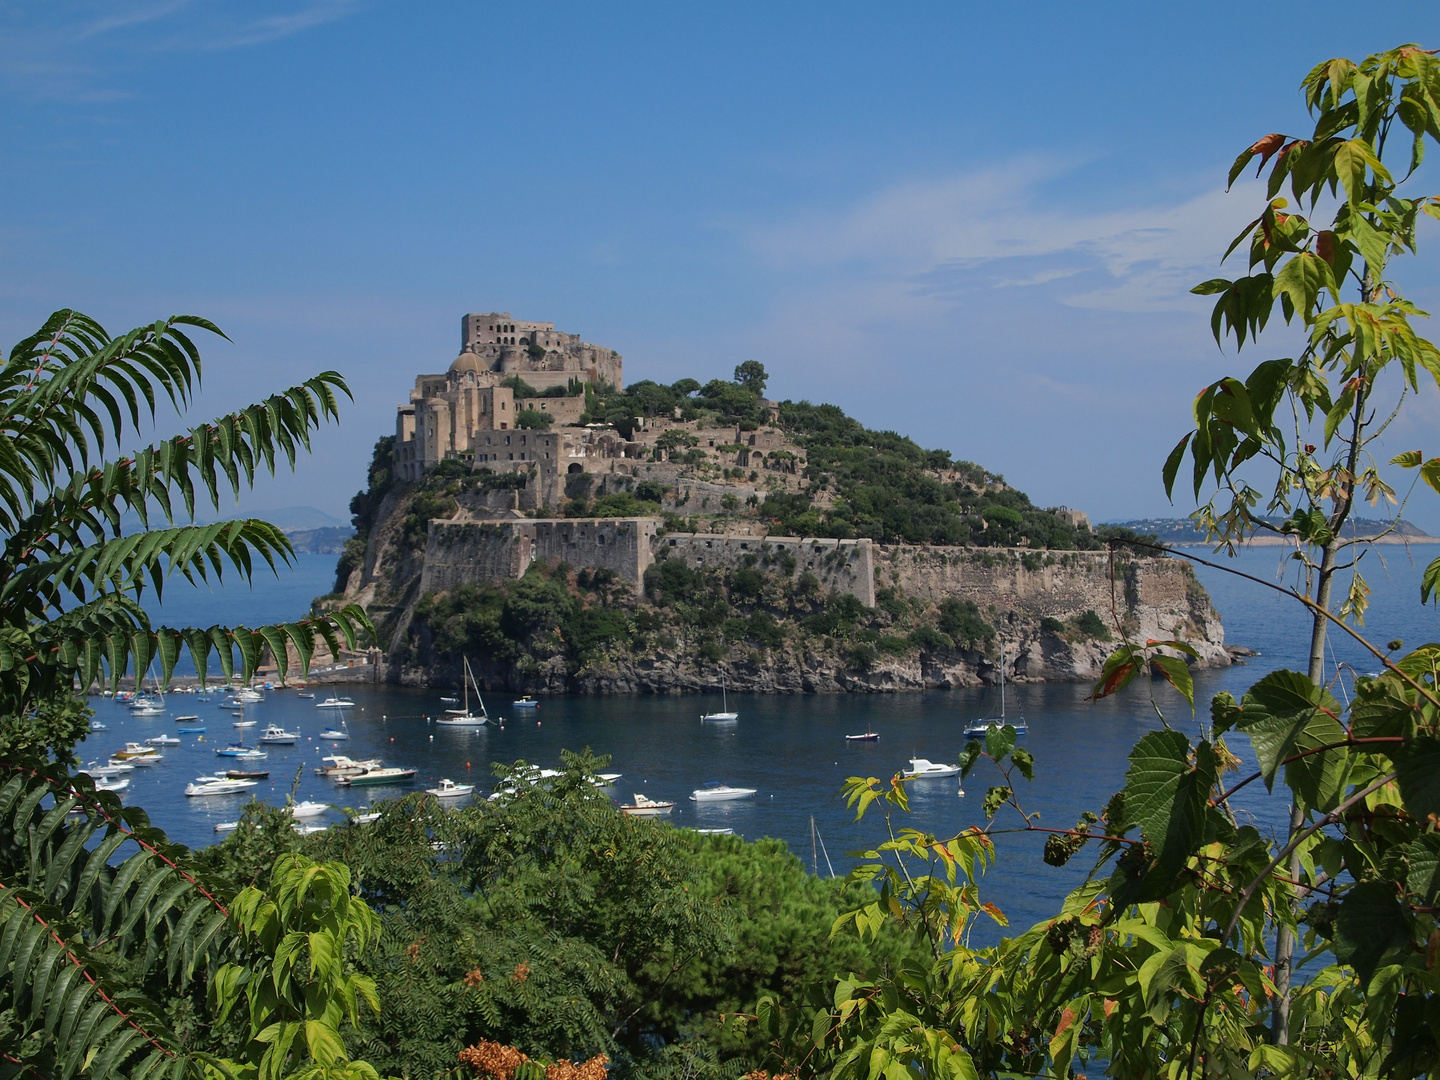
275	735
714	792
246	774
463	717
643	807
339	765
371	777
448	789
724	716
525	702
923	769
333	702
217	786
307	809
135	751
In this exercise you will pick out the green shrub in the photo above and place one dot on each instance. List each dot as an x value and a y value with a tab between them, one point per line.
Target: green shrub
1051	625
1091	625
862	656
961	620
533	419
929	639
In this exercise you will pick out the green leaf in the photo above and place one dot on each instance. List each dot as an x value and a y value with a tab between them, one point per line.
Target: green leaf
1371	922
1417	767
1407	460
1167	796
1285	714
1177	674
1430	582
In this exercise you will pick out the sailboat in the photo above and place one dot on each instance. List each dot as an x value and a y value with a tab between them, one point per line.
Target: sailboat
462	717
978	728
724	716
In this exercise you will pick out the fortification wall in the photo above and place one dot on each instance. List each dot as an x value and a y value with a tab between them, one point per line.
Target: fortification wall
843	565
1157	598
476	553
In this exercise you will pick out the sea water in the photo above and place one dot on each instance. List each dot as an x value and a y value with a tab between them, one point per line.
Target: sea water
790	748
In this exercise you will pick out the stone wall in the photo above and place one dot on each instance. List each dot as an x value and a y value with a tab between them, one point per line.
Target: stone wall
480	552
846	566
1155	598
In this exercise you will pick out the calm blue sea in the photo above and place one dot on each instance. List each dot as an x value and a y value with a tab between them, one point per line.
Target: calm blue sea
791	748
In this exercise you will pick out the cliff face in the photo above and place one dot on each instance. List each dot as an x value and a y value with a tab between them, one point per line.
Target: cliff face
1054	614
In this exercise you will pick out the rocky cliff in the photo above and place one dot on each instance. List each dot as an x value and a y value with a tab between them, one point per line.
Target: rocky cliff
534	616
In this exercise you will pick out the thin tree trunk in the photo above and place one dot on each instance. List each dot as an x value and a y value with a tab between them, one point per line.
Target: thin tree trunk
1285	936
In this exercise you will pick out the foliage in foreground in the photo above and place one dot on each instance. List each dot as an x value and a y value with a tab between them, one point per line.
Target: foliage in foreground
1175	958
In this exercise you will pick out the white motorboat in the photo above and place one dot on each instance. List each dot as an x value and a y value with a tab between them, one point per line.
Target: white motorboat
96	725
248	695
307	809
112	783
334	734
162	740
112	768
605	779
923	769
333	702
365	818
463	717
308	830
134	751
866	736
449	700
531	775
278	736
226	826
715	832
390	775
243	752
643	807
187	719
978	729
245	723
337	765
720	793
218	786
448	789
724	716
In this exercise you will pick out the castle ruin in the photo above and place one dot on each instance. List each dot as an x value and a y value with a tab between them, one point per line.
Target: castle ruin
465	411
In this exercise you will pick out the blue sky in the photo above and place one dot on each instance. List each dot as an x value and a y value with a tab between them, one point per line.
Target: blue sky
975	224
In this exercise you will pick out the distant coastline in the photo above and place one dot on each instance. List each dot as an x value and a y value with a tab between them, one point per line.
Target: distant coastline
1181	532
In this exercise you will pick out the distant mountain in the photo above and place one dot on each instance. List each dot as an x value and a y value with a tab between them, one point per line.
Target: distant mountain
327	541
1183	530
291	519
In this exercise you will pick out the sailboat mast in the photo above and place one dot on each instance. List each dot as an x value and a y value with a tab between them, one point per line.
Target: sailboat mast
1002	681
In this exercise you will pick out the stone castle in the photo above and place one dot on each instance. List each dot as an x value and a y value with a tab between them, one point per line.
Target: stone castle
466	412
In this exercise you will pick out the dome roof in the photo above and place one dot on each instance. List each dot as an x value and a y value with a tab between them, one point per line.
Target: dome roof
468	361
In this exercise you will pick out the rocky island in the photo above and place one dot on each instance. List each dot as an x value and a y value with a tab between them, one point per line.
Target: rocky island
569	534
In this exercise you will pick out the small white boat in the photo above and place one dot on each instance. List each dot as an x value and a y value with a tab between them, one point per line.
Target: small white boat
605	779
724	716
218	786
114	768
96	725
923	769
526	702
866	736
715	832
248	695
226	826
643	807
333	702
162	740
365	818
307	809
278	736
147	708
449	700
241	751
463	717
245	723
308	830
134	751
112	783
448	789
337	765
186	719
720	793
